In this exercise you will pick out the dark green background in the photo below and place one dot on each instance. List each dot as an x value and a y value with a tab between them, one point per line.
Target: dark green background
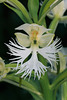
8	22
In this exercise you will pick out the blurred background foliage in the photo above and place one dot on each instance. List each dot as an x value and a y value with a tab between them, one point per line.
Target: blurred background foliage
8	22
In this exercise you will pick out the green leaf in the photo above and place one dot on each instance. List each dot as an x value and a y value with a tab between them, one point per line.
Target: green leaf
36	94
42	7
53	25
25	85
21	7
36	97
32	86
46	5
33	6
18	12
43	22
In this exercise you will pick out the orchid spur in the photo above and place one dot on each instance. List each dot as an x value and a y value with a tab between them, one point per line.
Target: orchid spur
37	40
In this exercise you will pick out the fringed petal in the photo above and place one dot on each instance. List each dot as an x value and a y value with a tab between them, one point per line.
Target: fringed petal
50	52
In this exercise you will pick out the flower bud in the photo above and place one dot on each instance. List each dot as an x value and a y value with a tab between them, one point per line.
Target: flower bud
2	66
59	9
3	69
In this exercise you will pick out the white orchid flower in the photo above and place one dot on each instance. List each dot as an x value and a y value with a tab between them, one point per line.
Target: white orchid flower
33	43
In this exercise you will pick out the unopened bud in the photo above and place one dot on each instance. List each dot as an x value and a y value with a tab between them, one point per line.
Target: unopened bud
2	66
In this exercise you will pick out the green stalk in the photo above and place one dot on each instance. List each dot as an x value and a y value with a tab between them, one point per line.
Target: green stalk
11	65
63	19
46	89
45	85
22	8
64	91
62	77
54	25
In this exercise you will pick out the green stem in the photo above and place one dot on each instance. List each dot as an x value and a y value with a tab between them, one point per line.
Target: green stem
63	19
22	8
44	82
46	89
64	91
57	87
54	24
11	65
59	80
